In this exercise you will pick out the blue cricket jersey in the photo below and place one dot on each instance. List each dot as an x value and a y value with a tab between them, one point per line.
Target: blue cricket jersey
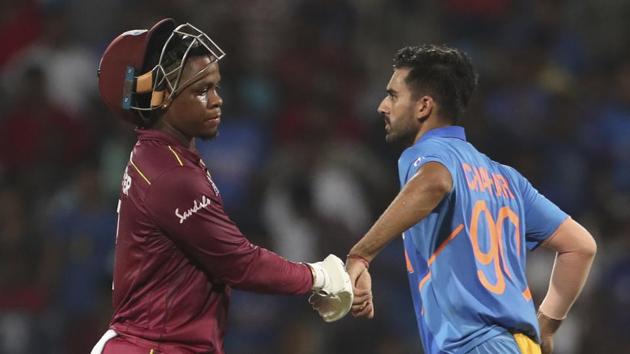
466	259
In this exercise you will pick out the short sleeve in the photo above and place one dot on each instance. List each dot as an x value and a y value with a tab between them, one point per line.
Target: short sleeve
422	154
542	217
184	205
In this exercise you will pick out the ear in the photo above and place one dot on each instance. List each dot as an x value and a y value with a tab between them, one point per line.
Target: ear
166	103
424	108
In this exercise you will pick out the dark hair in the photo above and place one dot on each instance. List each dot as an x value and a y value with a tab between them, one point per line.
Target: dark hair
442	72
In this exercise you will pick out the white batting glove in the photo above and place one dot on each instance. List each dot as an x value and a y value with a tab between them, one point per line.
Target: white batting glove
332	290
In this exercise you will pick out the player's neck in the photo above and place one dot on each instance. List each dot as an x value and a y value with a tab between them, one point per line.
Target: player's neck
430	124
169	129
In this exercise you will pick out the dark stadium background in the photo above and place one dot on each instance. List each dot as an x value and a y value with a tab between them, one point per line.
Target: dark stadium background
301	160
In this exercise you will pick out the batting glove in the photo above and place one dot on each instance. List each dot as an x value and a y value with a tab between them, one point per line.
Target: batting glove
332	290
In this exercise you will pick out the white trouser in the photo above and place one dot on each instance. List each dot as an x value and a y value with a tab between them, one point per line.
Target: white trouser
98	348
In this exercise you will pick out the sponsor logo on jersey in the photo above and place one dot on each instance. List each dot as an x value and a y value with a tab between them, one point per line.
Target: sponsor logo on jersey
126	182
214	186
136	32
209	176
418	161
197	205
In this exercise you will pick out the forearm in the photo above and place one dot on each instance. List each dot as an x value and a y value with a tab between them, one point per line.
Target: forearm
266	272
403	213
414	202
569	274
576	250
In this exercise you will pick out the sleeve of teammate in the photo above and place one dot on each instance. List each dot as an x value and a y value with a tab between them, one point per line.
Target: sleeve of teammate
576	250
332	291
186	208
413	203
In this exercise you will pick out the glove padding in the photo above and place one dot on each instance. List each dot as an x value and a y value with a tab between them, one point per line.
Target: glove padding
333	299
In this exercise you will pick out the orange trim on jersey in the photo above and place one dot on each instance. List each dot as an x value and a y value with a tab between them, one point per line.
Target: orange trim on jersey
527	294
450	237
139	172
424	280
408	262
176	156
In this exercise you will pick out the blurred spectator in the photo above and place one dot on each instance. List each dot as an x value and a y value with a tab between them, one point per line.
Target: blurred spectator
607	325
20	26
80	244
476	18
38	139
23	295
70	68
301	160
607	134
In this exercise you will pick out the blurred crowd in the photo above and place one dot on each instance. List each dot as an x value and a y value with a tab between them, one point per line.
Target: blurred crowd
301	160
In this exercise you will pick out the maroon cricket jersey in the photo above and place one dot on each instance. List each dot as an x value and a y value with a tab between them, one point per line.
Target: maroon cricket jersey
178	253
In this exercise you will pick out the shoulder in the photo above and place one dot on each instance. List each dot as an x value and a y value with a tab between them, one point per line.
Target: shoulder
419	149
180	180
440	146
430	150
423	152
154	158
181	186
180	193
512	174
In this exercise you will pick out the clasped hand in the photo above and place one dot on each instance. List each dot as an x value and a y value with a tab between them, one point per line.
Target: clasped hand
362	305
338	290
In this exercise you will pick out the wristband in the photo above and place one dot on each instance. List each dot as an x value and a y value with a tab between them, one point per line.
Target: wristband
361	259
318	274
547	324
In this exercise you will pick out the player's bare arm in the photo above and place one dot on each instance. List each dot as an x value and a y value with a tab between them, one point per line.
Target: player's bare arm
576	250
414	202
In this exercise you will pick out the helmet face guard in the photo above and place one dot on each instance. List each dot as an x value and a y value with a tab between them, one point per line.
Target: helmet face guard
141	69
167	76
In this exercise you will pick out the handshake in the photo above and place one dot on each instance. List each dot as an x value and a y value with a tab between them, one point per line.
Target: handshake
339	289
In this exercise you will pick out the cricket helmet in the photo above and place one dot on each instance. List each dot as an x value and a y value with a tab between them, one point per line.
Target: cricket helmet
141	69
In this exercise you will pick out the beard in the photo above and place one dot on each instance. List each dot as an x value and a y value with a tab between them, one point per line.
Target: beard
209	136
402	134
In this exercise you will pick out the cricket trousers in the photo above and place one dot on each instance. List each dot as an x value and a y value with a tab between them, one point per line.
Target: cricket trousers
119	345
110	343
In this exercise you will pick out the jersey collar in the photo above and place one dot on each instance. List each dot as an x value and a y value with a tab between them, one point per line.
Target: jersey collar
152	134
449	131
